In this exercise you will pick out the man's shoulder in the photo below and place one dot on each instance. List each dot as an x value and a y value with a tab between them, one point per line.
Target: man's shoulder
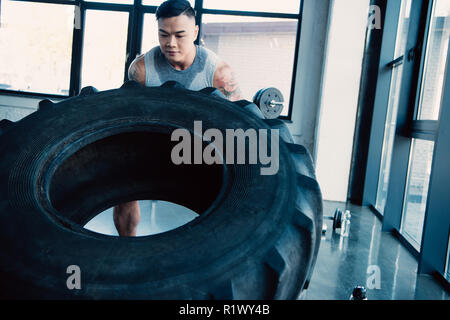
136	71
210	59
209	52
139	61
154	49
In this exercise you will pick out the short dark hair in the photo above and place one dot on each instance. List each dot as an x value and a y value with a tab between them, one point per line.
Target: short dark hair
174	8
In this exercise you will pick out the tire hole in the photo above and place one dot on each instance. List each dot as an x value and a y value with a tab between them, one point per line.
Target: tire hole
156	217
99	175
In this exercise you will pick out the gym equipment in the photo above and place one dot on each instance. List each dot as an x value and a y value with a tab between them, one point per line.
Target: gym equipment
270	101
70	160
337	218
324	229
359	293
341	220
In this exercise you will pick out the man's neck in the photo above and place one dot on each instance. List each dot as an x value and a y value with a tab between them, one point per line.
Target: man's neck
183	65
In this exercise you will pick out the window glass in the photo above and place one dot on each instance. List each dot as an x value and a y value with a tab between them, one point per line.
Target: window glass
285	6
158	2
149	32
104	49
435	63
35	51
391	116
114	1
259	50
417	190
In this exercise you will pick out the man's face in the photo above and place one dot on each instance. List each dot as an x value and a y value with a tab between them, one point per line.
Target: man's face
176	37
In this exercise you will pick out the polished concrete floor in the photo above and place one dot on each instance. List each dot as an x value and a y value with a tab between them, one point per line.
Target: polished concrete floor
369	258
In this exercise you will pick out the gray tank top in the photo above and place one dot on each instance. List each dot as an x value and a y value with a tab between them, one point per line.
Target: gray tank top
198	76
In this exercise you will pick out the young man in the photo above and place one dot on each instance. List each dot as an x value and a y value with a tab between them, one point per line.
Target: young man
176	58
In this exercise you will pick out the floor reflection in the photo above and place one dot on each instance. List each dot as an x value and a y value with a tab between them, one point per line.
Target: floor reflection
343	263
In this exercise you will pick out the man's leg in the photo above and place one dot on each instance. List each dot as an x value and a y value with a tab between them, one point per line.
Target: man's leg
126	218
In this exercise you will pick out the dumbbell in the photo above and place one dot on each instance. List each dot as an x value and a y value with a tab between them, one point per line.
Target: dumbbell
270	101
359	293
338	218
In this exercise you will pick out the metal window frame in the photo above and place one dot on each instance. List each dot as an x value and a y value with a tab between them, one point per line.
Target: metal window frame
424	129
136	13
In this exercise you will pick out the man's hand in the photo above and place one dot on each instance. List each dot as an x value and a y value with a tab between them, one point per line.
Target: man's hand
136	71
225	81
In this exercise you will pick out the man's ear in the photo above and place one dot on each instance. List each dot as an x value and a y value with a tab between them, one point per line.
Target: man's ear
196	32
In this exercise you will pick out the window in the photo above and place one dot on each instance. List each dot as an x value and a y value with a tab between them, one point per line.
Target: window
410	127
433	78
35	54
259	50
149	33
421	155
417	190
104	49
158	2
106	35
391	116
114	1
285	6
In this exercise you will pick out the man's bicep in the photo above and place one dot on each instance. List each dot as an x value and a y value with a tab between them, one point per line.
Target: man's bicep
225	80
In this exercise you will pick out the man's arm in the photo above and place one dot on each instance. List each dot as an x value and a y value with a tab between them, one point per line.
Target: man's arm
136	71
225	81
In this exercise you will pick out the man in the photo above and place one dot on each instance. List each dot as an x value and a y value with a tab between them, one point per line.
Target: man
176	58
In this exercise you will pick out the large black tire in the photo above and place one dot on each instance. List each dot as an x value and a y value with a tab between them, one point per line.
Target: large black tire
256	237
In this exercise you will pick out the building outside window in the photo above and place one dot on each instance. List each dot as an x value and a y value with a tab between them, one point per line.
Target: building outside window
260	50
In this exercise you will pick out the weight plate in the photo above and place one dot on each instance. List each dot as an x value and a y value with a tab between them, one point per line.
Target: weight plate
257	96
271	103
334	219
337	219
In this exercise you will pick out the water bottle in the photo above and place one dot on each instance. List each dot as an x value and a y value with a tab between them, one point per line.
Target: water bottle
345	224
